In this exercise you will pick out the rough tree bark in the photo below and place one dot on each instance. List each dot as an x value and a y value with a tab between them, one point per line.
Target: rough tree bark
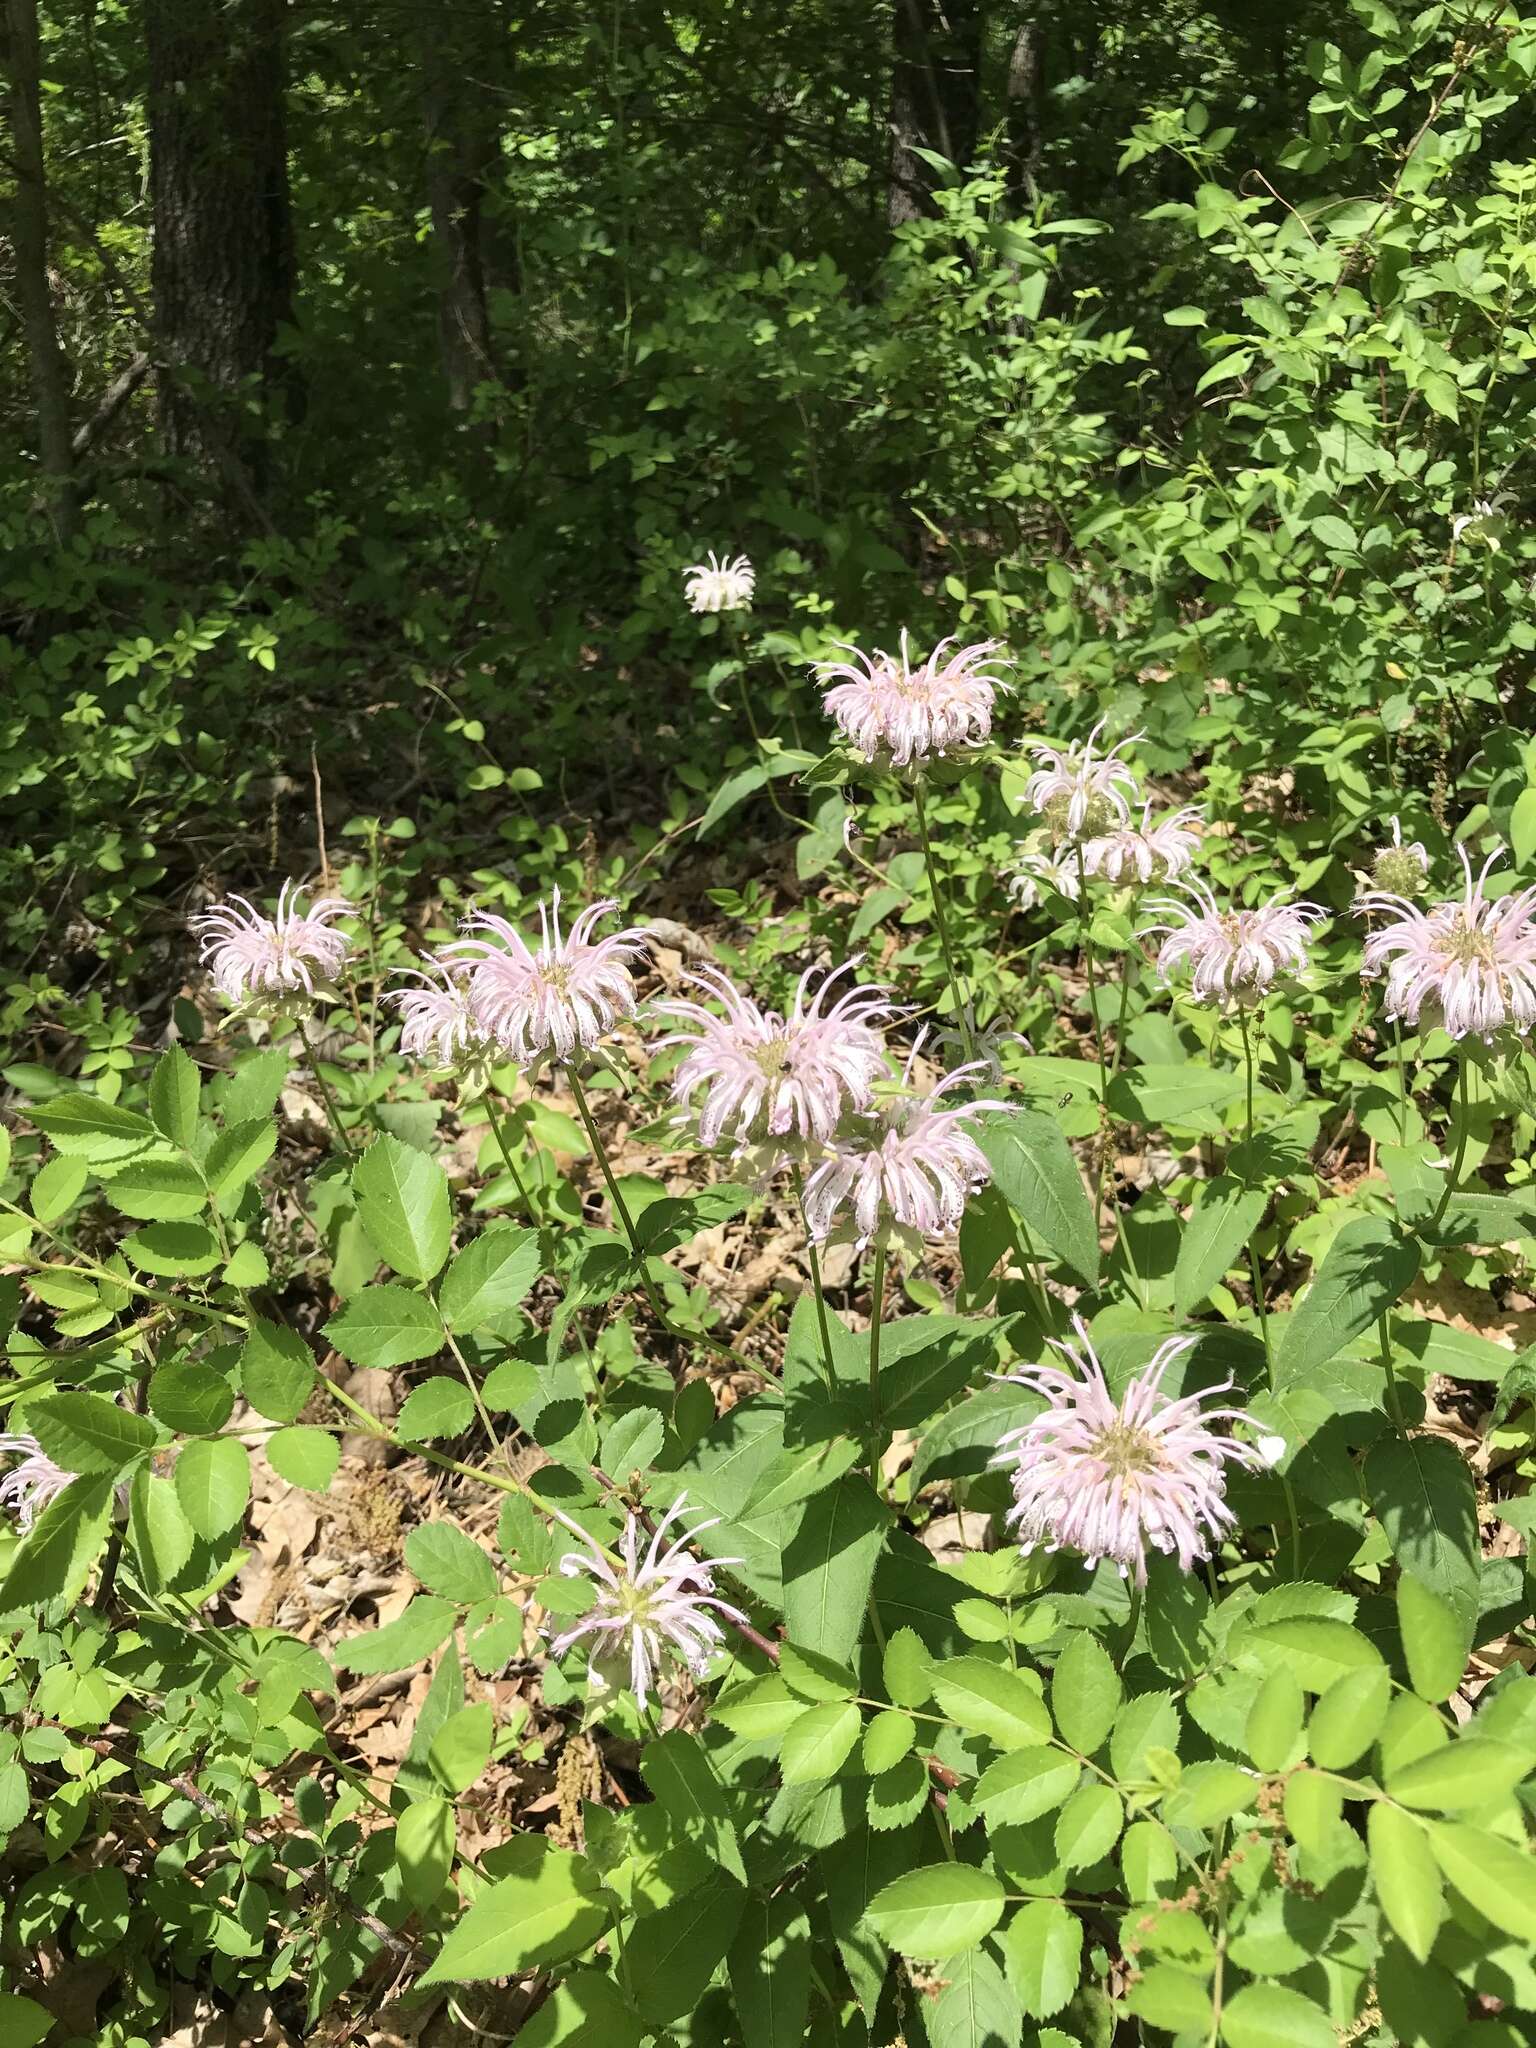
935	95
223	250
29	230
1025	136
465	67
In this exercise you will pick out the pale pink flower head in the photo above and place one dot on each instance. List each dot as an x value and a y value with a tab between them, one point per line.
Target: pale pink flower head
1146	852
899	713
719	585
1468	965
273	964
1039	875
1400	869
28	1487
769	1077
1116	1479
438	1026
1081	793
555	999
1234	956
647	1604
907	1167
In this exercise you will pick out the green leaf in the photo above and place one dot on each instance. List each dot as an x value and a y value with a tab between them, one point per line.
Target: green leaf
425	1835
173	1251
192	1399
91	1126
304	1457
237	1155
489	1278
461	1748
1369	1264
213	1484
887	1739
412	1637
585	2010
1019	1788
1349	1716
992	1701
907	1668
829	1564
1407	1878
158	1190
162	1537
1317	1649
448	1562
1085	1694
1043	1948
682	1946
937	1911
819	1743
402	1200
1224	1217
55	1188
174	1089
897	1795
386	1326
770	1972
1271	2016
1490	1873
1171	1999
1273	1728
439	1407
549	1908
681	1776
87	1433
976	2007
1473	1771
1182	1095
1426	1500
53	1560
277	1372
1434	1639
1088	1826
1036	1171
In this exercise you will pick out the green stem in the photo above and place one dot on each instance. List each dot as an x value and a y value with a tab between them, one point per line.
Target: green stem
332	1116
1394	1397
1462	1135
1253	1254
956	994
499	1130
816	1287
1404	1099
876	1313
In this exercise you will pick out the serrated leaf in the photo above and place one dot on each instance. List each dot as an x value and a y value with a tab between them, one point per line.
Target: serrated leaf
158	1190
1368	1266
1043	1948
1085	1694
450	1563
1434	1639
402	1202
85	1432
1019	1788
829	1564
162	1537
549	1908
173	1251
1273	2016
426	1623
236	1156
1407	1878
976	2007
992	1701
385	1326
277	1373
683	1945
425	1836
1472	1771
191	1399
54	1558
1036	1172
174	1089
213	1484
439	1407
1224	1217
1273	1728
819	1743
1317	1648
908	1668
938	1911
489	1278
897	1794
1088	1826
1426	1500
1349	1716
56	1187
888	1738
1490	1873
304	1457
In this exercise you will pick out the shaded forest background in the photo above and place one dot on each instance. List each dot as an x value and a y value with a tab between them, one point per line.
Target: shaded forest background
370	377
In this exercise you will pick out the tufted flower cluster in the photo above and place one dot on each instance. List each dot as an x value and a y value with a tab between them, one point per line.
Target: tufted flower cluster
1467	965
274	966
815	1090
901	713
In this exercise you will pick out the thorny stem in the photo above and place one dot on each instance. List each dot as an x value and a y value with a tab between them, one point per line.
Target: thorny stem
332	1117
941	919
1463	1133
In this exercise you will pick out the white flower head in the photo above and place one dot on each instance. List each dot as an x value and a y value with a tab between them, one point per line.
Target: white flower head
719	585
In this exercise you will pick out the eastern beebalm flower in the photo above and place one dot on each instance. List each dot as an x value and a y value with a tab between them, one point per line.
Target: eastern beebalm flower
1146	852
548	1002
719	585
894	711
437	1023
28	1487
263	961
1468	965
1116	1479
1400	870
1484	523
767	1076
1040	874
1081	793
909	1165
1234	956
646	1604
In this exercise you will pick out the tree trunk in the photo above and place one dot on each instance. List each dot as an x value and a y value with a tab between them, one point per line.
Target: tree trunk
935	96
465	57
1025	136
223	248
29	229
